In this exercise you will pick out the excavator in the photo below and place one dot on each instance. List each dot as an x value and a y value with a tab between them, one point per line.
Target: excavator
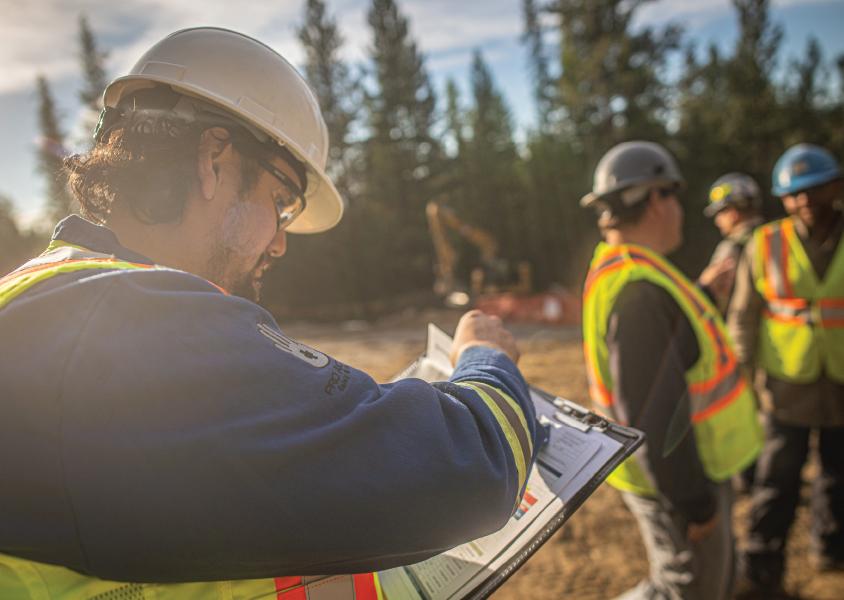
493	273
496	285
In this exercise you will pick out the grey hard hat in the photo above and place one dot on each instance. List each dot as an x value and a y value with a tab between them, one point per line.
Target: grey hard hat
733	189
633	164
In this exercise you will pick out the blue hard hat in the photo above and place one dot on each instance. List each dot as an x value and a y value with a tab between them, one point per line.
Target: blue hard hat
803	166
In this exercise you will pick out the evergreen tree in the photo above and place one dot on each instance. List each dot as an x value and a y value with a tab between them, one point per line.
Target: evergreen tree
730	119
611	84
324	267
703	98
455	122
51	153
16	245
10	238
93	70
402	158
752	122
834	123
806	100
490	158
543	88
611	87
452	182
331	80
94	83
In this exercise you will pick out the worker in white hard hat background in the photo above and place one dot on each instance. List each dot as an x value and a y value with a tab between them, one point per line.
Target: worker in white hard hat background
162	437
658	358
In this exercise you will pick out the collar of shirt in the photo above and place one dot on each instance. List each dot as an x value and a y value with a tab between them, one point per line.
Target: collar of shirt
80	232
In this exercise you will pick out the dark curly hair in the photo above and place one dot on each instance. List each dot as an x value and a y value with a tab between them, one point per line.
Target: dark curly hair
146	161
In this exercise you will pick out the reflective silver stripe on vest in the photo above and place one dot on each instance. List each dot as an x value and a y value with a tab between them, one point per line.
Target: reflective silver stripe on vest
789	311
774	268
815	314
701	401
832	313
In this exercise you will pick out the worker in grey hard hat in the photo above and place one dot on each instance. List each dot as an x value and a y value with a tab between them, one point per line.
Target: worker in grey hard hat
171	440
654	344
735	204
735	190
627	178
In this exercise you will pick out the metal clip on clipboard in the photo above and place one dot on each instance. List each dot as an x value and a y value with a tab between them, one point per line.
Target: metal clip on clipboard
574	415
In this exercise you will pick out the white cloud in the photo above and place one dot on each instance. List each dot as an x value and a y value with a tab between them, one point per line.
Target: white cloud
41	36
694	13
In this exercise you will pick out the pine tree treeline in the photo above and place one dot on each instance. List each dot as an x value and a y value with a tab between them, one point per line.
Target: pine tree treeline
598	81
51	152
53	142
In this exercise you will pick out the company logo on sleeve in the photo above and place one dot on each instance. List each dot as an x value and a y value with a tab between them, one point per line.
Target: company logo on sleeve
301	351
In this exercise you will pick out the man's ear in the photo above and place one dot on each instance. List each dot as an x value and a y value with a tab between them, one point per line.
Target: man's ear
214	150
653	202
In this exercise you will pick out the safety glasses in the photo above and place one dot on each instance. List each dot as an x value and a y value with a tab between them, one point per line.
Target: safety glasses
289	200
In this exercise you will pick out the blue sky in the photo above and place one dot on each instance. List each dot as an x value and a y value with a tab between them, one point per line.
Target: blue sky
40	37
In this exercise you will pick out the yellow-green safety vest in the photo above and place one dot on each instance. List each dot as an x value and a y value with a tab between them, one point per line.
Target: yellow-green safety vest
22	579
723	409
29	580
802	327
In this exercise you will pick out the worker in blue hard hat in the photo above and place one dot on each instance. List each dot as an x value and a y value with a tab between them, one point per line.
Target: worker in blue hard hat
787	320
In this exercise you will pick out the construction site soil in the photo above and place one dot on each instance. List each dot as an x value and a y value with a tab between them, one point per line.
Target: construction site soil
598	553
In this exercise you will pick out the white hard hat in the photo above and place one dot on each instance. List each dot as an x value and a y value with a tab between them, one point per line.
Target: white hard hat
257	86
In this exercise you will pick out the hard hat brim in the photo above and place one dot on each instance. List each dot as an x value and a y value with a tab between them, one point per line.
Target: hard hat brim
714	208
592	197
325	206
589	199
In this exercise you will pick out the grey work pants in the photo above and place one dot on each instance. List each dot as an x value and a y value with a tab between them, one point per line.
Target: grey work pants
680	570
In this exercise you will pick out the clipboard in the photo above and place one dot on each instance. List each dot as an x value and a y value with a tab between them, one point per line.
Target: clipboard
583	449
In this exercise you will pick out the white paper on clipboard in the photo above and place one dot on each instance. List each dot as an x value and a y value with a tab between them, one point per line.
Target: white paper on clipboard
569	462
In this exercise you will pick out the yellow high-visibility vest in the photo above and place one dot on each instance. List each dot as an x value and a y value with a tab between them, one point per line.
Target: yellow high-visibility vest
723	409
802	327
22	579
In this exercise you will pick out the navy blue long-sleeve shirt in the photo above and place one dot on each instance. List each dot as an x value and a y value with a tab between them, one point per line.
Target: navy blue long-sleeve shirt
153	428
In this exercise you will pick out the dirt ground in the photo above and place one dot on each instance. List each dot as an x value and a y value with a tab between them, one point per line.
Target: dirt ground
597	554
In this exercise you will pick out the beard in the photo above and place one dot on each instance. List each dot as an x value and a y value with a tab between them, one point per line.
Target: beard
238	277
249	285
232	264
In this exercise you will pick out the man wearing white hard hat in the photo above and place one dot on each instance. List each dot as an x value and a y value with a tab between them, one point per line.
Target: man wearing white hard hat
162	437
